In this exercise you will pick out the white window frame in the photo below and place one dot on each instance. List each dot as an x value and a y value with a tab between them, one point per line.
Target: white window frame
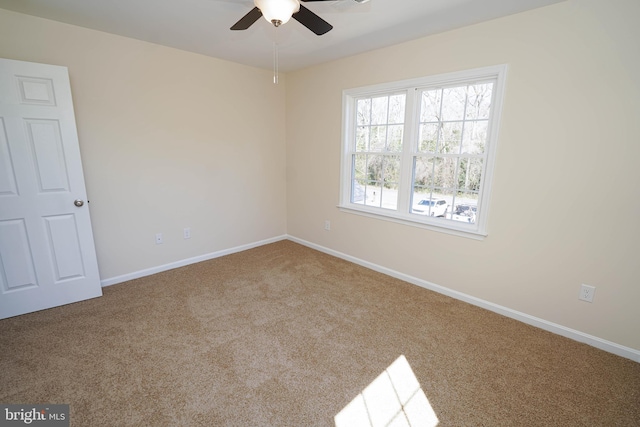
412	87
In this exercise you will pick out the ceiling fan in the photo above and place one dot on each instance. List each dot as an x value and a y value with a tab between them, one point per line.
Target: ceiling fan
278	12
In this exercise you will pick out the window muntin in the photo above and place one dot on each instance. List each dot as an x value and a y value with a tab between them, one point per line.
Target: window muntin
421	151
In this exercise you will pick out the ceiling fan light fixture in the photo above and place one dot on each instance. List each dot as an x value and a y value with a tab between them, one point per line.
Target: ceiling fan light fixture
277	12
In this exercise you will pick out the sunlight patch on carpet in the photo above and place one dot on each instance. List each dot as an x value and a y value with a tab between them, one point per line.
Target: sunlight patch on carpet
394	398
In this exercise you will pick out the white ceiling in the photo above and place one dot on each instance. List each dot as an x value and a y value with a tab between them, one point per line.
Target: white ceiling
202	26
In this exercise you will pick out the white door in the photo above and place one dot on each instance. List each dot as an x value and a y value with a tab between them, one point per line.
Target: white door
47	254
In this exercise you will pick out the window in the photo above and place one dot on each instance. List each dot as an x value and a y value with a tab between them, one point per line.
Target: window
421	151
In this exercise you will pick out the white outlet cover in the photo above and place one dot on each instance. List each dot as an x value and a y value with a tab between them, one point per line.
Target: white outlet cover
586	293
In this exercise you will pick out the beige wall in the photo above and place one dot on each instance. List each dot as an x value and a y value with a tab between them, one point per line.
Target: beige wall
169	139
565	204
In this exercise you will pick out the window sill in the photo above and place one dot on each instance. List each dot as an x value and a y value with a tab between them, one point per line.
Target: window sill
409	220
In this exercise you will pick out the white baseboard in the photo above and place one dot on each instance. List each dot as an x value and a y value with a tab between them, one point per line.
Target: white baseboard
182	263
555	328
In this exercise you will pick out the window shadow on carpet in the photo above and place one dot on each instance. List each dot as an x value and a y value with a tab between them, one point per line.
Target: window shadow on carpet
394	398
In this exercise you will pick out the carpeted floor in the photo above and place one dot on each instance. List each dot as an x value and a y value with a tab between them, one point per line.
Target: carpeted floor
283	335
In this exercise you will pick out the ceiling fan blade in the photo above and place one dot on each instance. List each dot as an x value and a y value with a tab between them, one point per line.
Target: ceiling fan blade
312	21
247	20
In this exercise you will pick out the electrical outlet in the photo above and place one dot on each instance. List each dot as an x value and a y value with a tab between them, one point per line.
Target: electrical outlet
586	293
327	224
158	238
187	233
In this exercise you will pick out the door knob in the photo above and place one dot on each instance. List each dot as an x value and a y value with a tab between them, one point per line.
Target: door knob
78	202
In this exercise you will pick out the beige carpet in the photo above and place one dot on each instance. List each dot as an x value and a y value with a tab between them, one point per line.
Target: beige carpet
283	335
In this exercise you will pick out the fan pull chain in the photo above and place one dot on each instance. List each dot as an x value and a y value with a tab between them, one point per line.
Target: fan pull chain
275	63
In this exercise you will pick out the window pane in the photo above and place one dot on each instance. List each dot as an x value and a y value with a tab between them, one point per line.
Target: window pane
444	203
364	112
358	191
374	167
396	108
453	103
373	194
430	109
475	137
465	208
479	102
391	170
444	172
362	138
378	138
379	110
390	196
422	173
421	204
394	142
428	138
360	167
450	137
470	174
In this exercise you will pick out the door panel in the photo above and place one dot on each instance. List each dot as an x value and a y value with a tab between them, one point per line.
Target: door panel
64	247
48	154
36	91
47	253
18	267
7	175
